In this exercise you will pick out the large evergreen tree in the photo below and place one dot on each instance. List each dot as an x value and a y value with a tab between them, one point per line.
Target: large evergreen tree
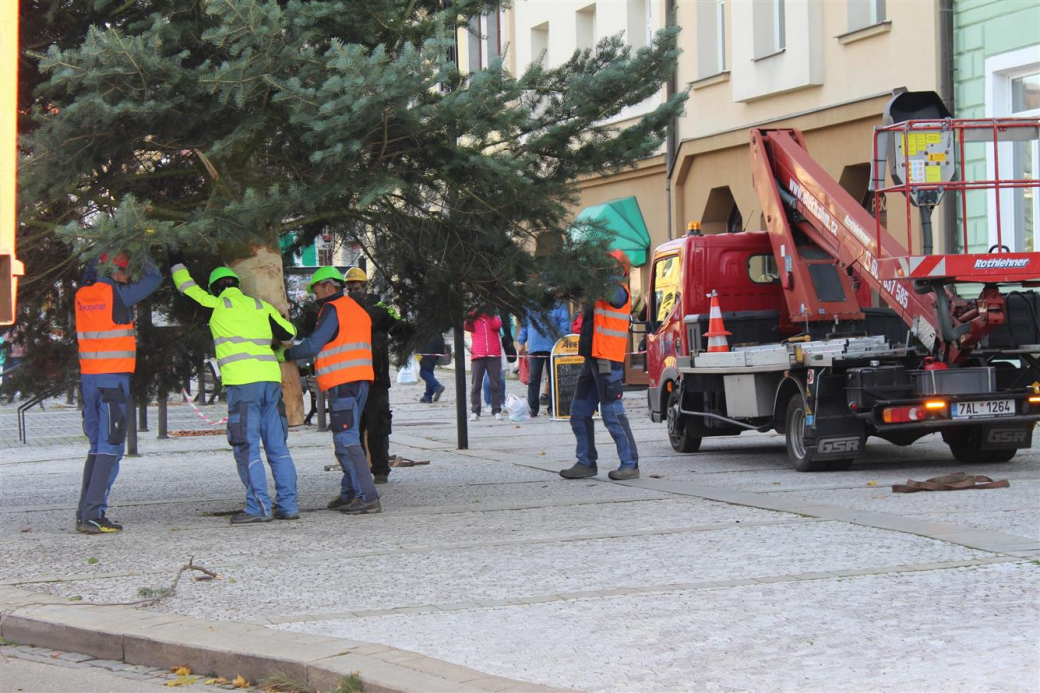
221	126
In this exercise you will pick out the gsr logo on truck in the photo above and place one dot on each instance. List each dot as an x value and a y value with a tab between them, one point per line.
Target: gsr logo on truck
1006	436
834	446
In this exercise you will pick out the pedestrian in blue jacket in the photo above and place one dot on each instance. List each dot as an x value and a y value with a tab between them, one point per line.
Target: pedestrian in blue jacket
537	343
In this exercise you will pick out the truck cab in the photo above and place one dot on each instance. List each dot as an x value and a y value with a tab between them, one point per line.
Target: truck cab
741	268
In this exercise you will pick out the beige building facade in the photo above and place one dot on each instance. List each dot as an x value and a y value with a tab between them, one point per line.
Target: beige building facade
826	67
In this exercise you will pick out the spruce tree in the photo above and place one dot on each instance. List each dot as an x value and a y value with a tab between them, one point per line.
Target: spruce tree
221	126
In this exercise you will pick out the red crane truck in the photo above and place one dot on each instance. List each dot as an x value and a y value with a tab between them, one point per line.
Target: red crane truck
811	358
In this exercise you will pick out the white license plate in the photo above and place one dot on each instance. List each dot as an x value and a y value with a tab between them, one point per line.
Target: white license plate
986	407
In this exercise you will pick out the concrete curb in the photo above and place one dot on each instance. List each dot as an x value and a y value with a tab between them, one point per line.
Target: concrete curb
228	648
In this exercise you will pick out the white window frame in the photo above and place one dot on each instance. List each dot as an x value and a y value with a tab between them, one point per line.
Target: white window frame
877	13
1000	71
720	36
585	19
540	34
638	27
485	48
648	25
768	39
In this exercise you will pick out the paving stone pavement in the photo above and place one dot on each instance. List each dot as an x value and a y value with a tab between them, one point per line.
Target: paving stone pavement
86	668
722	570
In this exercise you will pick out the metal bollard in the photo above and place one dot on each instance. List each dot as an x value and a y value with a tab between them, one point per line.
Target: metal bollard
163	417
131	427
321	411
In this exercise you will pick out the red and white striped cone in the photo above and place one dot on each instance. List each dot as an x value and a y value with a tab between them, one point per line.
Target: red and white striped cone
716	333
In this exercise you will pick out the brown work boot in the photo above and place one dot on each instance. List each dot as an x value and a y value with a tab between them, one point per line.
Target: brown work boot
339	502
360	507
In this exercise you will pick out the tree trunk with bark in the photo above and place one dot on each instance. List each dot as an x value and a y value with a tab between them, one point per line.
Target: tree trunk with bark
262	276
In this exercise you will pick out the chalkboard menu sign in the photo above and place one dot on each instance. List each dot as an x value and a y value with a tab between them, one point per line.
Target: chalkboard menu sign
564	368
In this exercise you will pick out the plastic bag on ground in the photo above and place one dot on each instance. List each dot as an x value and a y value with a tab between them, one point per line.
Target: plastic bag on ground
408	374
517	408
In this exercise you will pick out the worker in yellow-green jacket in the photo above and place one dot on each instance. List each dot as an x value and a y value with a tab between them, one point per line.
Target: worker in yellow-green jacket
244	331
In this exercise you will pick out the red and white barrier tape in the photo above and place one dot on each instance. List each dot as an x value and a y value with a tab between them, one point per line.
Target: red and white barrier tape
531	356
202	416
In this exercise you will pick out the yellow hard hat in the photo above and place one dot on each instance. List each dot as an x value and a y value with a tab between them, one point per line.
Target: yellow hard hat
355	274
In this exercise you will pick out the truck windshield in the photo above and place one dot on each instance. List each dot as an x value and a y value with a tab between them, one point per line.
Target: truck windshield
666	287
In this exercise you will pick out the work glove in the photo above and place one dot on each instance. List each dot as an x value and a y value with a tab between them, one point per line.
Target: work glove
279	353
174	256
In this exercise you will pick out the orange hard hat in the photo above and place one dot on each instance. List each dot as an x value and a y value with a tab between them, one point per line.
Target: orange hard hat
121	261
622	258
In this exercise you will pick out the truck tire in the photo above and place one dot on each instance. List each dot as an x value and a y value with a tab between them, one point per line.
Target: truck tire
969	455
677	427
964	449
801	458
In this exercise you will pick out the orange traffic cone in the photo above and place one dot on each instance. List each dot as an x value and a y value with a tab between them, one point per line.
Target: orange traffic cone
716	333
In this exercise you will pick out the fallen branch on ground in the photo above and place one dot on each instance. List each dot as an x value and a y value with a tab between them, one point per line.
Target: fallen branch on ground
152	600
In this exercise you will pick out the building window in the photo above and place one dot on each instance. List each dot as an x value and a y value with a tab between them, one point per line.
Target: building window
721	214
1013	89
769	27
485	40
864	13
711	38
640	30
585	27
540	43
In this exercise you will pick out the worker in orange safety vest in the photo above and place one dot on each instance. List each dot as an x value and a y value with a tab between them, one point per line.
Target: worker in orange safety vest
107	346
341	345
603	342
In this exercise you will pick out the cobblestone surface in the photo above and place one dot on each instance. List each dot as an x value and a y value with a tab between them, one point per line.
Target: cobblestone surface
903	632
488	559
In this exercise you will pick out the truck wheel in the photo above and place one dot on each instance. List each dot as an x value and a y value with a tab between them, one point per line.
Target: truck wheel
677	427
969	455
1002	455
801	459
963	446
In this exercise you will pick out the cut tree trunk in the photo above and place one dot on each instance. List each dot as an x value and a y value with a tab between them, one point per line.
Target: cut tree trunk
262	276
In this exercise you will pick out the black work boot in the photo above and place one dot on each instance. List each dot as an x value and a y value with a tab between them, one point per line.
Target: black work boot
579	471
100	526
623	473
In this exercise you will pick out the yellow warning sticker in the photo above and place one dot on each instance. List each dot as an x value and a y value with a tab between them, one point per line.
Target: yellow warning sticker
937	157
913	144
933	138
932	174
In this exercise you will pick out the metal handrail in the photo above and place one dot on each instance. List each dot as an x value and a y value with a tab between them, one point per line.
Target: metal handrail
23	431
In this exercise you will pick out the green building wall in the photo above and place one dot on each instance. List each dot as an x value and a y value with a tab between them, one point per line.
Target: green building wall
983	29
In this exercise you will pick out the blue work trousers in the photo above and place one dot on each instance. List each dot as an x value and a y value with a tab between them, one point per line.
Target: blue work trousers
347	402
426	366
105	398
605	390
256	413
501	386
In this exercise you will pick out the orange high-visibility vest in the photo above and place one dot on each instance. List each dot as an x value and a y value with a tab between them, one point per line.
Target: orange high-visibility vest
610	329
104	345
348	357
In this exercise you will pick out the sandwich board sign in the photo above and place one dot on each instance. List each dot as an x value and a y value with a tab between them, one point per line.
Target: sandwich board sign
564	368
